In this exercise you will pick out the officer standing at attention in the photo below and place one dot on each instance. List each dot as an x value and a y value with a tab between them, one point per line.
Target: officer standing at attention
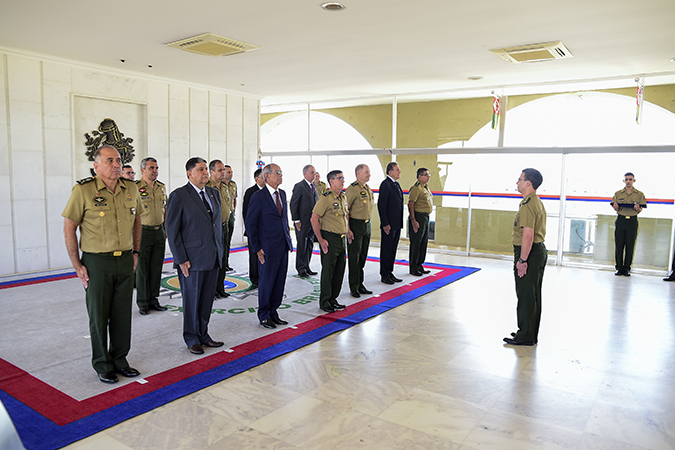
329	221
150	263
128	172
420	205
320	185
105	208
232	190
529	256
217	175
360	202
628	202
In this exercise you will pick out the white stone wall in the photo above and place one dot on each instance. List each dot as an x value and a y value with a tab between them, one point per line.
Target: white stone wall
47	106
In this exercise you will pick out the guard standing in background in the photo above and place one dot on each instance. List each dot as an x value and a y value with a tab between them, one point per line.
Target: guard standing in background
420	205
105	208
232	190
128	172
329	221
628	202
320	185
529	258
360	203
153	240
217	175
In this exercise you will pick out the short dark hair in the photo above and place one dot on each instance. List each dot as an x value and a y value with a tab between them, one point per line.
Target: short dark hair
534	177
333	174
212	164
192	162
257	173
144	161
128	166
391	166
421	171
629	174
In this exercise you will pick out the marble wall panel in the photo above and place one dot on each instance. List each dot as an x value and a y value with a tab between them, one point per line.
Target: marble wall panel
31	259
58	254
199	105
217	99
23	79
199	139
27	176
179	119
56	104
111	86
58	191
251	116
179	92
29	224
25	125
158	99
179	153
57	72
5	202
58	155
4	148
7	242
234	142
235	111
217	123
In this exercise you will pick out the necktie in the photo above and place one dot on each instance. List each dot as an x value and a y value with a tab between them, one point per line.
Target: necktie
313	190
208	207
276	194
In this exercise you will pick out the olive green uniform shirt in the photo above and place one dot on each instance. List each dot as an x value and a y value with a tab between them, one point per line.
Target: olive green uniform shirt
232	191
333	211
321	188
422	198
224	198
106	218
154	202
360	201
531	214
634	197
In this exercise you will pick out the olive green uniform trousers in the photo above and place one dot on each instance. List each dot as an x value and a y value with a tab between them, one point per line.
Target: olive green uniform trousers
528	290
332	268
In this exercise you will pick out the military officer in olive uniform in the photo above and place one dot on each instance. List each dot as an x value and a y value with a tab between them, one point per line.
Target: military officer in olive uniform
321	187
420	205
329	221
628	202
232	191
150	263
217	175
360	203
105	208
529	256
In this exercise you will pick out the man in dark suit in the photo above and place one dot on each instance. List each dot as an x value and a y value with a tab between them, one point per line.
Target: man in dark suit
252	257
390	207
270	237
303	200
195	235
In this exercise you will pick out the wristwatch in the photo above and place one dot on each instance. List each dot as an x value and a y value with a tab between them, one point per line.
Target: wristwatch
522	261
136	252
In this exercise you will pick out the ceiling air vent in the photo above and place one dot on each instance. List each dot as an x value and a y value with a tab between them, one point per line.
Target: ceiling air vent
533	52
212	45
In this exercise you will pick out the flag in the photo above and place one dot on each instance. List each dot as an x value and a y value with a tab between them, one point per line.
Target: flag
495	111
640	99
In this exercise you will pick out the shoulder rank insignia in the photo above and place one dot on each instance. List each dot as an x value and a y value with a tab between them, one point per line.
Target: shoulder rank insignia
417	183
526	201
85	180
356	183
159	182
327	193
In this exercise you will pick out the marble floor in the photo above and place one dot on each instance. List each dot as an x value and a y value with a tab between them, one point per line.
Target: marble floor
435	374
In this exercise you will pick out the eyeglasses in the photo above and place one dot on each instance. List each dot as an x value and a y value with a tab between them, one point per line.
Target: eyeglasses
277	172
340	178
521	179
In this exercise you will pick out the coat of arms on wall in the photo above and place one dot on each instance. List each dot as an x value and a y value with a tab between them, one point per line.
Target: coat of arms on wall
109	134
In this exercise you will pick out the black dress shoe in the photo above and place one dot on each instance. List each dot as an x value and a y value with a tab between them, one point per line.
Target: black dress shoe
328	309
626	273
213	343
303	275
671	278
516	342
128	372
278	321
398	280
387	280
425	271
222	294
108	377
158	307
337	306
416	273
196	349
363	290
228	268
144	310
311	272
355	294
267	323
618	273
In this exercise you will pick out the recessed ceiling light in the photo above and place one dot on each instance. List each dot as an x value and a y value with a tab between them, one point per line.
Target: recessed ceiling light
333	6
672	59
476	78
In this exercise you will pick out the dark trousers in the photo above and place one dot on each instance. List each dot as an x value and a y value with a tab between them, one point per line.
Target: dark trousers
358	252
271	288
198	291
388	245
108	298
149	268
303	253
227	240
253	273
625	236
332	268
418	242
528	290
222	272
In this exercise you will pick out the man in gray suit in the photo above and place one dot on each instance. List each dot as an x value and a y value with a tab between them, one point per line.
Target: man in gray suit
302	203
195	235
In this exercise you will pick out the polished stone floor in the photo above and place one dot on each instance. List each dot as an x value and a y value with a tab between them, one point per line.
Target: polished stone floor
435	374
